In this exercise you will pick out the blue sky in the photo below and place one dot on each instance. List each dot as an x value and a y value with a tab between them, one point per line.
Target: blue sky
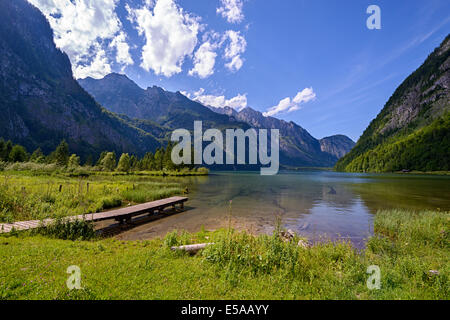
313	62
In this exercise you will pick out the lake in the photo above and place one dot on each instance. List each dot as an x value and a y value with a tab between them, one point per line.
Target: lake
317	204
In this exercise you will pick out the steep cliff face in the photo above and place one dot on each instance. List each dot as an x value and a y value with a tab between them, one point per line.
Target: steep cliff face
41	103
338	145
412	131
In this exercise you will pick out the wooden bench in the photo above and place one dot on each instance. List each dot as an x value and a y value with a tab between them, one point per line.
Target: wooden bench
121	215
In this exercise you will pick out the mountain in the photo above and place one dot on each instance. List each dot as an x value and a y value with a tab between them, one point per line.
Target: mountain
41	102
412	131
337	145
173	110
297	145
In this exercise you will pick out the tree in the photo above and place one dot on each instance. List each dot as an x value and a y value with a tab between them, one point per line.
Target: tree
124	163
158	160
74	161
61	154
2	149
5	149
108	162
18	154
134	163
100	159
167	158
37	156
148	162
89	160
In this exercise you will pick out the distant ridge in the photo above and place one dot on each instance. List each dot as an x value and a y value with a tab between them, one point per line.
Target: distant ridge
296	143
173	110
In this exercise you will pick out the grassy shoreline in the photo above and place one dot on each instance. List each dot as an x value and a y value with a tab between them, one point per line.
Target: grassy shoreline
26	195
412	250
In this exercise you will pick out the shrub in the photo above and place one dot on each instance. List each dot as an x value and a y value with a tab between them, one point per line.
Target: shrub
68	230
176	238
108	202
31	166
259	254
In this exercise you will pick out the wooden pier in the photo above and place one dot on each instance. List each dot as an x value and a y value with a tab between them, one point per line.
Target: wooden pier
121	215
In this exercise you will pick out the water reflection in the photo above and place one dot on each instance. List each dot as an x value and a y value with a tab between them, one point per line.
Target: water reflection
315	204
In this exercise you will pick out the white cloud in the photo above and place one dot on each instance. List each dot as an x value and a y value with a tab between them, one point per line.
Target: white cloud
97	68
171	35
287	105
89	31
238	102
304	96
204	61
236	46
123	49
231	10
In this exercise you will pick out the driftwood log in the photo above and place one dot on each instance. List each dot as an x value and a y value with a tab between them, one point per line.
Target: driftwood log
193	248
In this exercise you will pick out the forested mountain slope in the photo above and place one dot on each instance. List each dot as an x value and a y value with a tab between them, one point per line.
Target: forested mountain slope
40	101
412	131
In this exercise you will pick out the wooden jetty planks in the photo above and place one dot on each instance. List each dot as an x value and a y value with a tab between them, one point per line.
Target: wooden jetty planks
122	214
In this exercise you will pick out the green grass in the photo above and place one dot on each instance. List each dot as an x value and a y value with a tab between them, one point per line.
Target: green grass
32	168
406	247
27	196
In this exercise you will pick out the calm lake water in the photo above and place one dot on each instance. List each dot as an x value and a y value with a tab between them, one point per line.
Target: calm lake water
316	204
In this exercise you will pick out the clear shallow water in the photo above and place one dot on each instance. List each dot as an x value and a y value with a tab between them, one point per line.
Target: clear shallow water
316	204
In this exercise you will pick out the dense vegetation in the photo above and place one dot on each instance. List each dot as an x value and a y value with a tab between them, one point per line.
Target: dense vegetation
25	196
38	186
161	160
411	249
423	142
427	149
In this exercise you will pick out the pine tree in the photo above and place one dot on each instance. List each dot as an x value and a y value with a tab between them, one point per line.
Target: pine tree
167	161
61	154
5	149
148	162
158	160
2	149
